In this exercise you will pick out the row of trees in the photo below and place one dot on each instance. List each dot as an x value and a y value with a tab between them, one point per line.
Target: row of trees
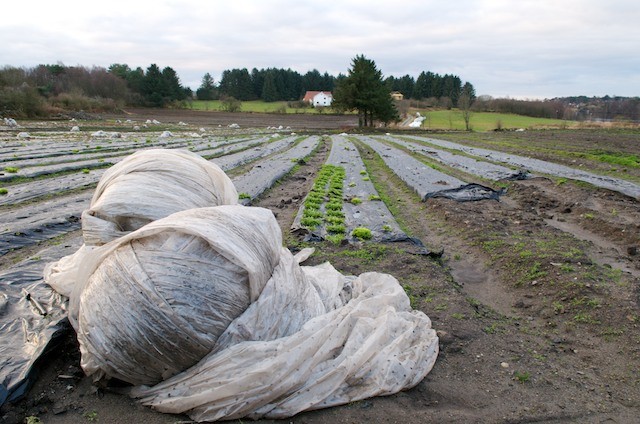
270	84
577	108
47	89
274	84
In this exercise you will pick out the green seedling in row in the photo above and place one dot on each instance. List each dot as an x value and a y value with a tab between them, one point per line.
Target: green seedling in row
312	213
362	233
386	228
11	169
374	197
334	219
244	196
363	172
355	201
85	170
336	229
352	184
3	191
334	206
310	222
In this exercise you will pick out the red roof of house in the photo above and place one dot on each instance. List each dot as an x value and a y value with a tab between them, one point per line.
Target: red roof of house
309	95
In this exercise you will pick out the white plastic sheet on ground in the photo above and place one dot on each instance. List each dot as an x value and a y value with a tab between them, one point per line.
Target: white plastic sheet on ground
207	314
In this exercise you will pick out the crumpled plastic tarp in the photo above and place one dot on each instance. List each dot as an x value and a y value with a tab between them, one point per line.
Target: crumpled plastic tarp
205	313
145	186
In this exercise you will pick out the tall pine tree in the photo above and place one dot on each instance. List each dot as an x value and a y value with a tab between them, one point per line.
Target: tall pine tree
364	90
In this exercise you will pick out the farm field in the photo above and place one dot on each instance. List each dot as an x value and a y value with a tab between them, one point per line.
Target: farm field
438	119
534	290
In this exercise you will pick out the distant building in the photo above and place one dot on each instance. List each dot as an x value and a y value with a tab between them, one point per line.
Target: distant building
318	98
396	95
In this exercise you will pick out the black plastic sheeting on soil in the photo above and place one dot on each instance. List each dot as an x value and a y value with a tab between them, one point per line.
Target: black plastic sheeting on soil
467	164
32	316
371	214
256	151
266	172
32	224
621	186
38	188
426	181
468	193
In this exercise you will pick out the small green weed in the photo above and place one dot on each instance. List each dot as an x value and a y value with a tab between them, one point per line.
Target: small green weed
91	416
11	169
584	318
522	377
3	191
355	200
85	170
244	196
374	197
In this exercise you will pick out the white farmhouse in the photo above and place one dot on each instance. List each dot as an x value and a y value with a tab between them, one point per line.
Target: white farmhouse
318	98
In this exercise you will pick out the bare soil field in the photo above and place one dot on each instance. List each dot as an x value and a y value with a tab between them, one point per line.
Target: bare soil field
535	297
261	120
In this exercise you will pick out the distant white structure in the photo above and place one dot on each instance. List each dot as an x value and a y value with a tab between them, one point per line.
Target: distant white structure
166	134
11	123
417	122
318	98
75	128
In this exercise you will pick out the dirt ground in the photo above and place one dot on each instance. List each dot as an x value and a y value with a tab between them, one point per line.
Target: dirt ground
535	299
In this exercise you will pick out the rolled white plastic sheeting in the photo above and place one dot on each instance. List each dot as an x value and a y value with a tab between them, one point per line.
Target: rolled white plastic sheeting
205	313
149	185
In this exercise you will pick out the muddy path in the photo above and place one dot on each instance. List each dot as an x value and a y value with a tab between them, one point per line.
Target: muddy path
535	298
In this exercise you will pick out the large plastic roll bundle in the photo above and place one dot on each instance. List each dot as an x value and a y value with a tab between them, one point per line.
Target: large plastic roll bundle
149	185
153	303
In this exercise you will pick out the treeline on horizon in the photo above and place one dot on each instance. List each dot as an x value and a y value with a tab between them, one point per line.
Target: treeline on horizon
47	90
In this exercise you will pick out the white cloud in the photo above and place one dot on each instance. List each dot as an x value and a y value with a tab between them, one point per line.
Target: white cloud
527	48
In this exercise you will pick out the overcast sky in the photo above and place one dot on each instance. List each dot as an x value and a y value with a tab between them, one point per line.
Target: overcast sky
520	48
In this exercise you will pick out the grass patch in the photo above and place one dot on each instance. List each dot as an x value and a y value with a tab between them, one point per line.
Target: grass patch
485	121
